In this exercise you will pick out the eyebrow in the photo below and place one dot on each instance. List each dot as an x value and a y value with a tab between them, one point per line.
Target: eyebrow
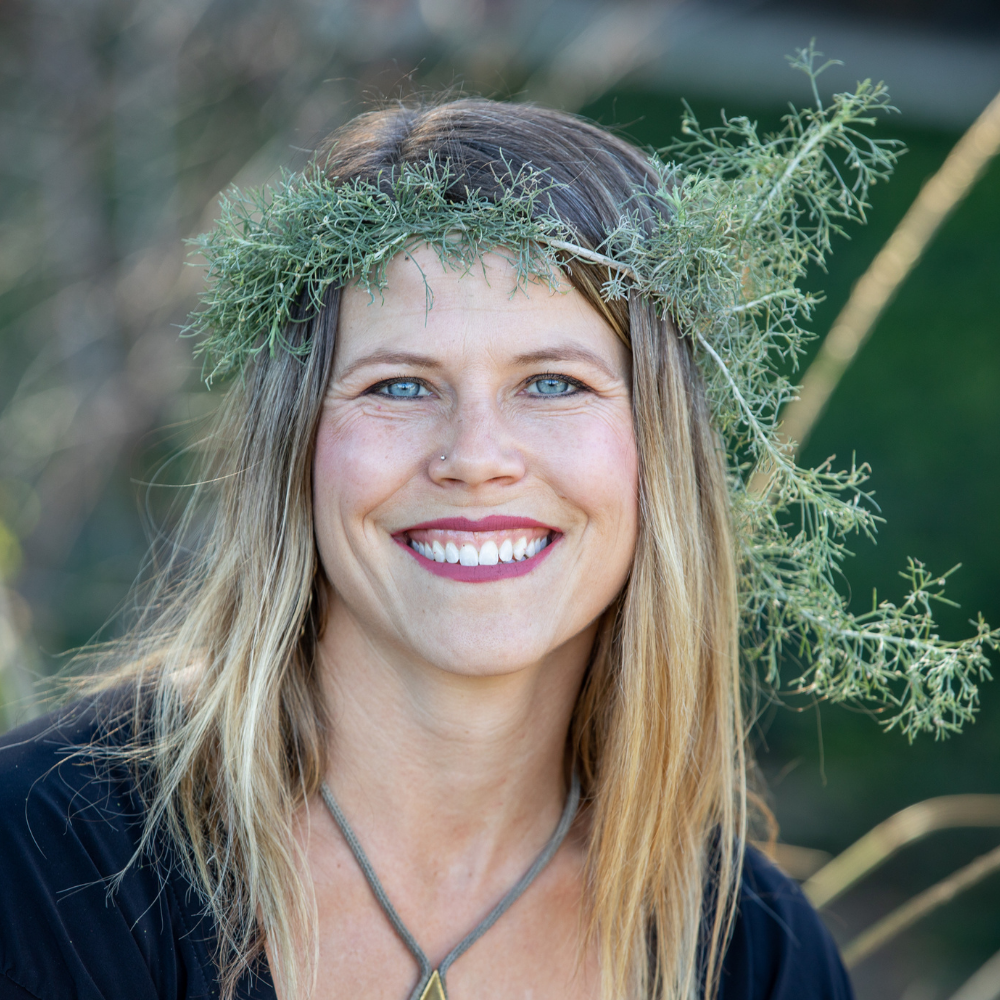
547	356
555	355
390	358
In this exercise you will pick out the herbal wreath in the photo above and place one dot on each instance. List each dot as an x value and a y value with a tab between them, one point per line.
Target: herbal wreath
741	218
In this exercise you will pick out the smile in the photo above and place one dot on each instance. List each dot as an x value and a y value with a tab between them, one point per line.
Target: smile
493	548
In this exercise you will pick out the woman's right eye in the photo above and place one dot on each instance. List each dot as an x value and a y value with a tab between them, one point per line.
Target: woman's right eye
401	389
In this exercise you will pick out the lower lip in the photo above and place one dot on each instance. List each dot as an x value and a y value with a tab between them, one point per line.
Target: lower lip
478	574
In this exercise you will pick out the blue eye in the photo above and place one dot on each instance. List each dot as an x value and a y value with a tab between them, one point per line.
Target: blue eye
403	389
551	386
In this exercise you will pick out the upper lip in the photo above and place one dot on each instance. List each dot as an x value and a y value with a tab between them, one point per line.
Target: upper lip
495	522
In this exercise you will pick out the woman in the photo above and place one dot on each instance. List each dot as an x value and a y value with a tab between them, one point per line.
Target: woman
470	561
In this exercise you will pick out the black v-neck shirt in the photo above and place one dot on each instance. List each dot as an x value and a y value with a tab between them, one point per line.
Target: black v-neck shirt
69	824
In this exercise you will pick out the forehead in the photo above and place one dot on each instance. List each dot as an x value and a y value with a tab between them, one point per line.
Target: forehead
483	305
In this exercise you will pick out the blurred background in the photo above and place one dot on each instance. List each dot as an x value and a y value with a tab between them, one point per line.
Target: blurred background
121	120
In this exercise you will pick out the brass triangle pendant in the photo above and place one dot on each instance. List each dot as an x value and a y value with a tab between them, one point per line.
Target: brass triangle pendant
434	990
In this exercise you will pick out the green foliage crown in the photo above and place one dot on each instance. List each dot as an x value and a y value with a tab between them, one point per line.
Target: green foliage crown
743	217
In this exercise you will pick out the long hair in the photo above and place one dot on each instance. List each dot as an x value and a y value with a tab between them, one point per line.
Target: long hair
233	735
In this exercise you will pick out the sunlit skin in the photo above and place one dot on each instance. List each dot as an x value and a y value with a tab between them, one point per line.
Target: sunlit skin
450	701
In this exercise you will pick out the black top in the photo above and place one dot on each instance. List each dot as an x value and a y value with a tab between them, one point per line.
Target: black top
67	825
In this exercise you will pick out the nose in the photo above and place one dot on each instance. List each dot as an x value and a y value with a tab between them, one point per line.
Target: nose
479	448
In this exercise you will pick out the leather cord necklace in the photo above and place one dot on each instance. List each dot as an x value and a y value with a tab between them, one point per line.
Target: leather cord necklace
432	981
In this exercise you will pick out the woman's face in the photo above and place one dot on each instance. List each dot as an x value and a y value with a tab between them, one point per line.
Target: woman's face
476	472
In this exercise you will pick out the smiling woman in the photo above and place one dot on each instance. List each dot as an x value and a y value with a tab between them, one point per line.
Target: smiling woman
446	700
467	378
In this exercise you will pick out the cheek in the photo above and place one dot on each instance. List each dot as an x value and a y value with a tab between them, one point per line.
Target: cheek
597	469
359	463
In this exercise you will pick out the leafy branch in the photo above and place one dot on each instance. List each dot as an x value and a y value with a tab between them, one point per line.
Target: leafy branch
745	215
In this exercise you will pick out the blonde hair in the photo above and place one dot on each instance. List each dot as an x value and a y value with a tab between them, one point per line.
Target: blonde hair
230	734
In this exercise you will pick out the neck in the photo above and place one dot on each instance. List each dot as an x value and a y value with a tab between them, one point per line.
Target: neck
442	765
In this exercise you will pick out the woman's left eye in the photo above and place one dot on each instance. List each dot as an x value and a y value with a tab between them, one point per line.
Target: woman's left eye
402	389
552	385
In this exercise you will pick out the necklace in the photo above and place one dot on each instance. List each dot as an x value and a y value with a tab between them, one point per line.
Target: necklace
432	981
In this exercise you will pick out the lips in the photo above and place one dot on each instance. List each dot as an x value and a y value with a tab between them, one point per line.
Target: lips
495	522
492	548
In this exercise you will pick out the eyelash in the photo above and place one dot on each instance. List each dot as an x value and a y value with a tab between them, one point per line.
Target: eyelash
577	385
375	389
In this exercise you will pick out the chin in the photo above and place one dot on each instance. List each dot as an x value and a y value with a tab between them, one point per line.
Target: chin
466	659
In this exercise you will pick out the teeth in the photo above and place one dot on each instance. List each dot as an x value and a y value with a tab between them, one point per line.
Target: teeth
488	555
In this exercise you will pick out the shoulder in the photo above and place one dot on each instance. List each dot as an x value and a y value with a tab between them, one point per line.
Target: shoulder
60	791
780	949
71	820
57	765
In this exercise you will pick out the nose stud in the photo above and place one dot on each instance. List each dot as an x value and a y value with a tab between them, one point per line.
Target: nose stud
443	457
